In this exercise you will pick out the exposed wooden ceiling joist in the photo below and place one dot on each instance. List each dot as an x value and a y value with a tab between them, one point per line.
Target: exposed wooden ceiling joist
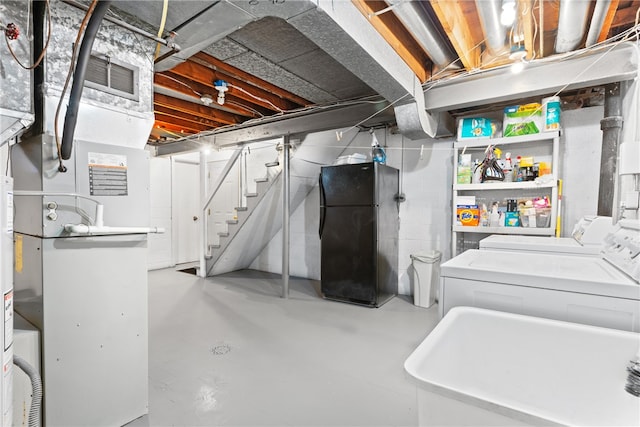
456	25
394	33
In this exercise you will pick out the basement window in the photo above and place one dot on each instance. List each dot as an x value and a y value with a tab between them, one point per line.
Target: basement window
111	76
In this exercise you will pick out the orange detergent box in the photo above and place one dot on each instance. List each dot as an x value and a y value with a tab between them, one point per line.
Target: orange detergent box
468	215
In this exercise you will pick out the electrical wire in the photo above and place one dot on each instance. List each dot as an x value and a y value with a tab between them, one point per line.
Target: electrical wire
74	53
44	49
163	21
259	98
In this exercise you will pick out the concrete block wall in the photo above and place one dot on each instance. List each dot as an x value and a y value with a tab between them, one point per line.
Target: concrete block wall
426	171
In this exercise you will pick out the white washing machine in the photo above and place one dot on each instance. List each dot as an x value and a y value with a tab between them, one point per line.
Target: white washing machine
602	291
587	239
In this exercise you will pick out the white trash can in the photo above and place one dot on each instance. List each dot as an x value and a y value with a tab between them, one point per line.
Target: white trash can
426	277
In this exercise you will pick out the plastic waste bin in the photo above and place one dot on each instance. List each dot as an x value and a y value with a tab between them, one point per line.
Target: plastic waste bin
426	277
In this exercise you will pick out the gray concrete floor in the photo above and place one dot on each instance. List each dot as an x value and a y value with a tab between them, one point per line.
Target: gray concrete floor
228	350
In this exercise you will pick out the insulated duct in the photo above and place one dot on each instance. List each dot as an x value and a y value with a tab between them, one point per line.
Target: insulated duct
419	23
494	32
572	23
84	54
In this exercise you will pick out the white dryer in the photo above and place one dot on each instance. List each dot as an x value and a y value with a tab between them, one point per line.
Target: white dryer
602	291
587	239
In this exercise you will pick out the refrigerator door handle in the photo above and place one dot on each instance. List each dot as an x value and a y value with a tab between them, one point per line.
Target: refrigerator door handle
322	207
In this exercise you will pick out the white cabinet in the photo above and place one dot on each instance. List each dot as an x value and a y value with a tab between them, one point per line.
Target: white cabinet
542	147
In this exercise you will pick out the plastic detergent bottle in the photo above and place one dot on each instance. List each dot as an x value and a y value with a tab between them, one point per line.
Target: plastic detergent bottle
484	216
494	217
377	152
508	168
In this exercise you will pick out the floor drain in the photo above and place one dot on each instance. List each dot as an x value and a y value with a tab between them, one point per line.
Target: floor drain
220	350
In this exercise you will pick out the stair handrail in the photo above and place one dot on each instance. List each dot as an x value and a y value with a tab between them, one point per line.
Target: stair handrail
204	250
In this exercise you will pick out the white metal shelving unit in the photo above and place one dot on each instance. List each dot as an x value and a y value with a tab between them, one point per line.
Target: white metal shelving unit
545	144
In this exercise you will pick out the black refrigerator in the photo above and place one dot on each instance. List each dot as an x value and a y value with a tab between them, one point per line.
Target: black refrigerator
359	233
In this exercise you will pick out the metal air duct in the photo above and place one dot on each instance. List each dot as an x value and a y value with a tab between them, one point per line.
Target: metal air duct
572	24
494	32
419	23
597	19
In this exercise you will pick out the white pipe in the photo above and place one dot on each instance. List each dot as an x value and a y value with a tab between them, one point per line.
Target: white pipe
572	23
93	229
597	20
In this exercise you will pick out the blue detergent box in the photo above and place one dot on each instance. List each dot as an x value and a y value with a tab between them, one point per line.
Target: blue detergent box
511	219
475	127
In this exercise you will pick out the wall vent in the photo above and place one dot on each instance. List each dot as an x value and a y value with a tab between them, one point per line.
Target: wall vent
111	76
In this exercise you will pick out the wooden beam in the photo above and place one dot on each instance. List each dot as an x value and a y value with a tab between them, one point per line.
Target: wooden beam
181	124
196	110
525	12
626	16
608	20
456	25
392	30
235	105
162	125
207	76
231	71
181	115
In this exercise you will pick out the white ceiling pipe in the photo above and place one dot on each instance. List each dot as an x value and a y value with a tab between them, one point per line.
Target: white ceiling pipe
420	24
572	24
495	33
597	20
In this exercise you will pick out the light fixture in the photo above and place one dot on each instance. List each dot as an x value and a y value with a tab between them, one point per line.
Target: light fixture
518	53
508	14
206	99
221	87
517	67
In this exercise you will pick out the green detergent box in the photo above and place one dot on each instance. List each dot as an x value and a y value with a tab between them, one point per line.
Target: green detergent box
523	119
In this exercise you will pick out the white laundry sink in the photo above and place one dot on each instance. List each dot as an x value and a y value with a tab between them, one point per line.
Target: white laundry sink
484	367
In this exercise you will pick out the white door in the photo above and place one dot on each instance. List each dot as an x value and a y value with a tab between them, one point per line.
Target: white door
226	200
186	200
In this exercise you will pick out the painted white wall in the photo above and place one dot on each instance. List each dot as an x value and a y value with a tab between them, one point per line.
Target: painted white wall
425	179
580	153
426	171
159	254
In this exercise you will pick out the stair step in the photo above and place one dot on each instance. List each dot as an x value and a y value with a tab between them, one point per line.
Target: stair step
251	195
241	208
272	164
265	179
223	233
232	221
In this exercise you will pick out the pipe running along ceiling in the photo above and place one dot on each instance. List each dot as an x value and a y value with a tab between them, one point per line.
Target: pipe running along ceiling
279	58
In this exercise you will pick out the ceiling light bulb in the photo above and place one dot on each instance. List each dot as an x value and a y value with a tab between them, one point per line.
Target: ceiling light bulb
221	87
508	15
517	67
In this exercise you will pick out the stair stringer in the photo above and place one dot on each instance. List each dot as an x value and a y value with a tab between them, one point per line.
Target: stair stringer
263	222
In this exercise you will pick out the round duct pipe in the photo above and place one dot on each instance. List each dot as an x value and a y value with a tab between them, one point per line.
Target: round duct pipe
597	20
572	24
495	33
418	21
